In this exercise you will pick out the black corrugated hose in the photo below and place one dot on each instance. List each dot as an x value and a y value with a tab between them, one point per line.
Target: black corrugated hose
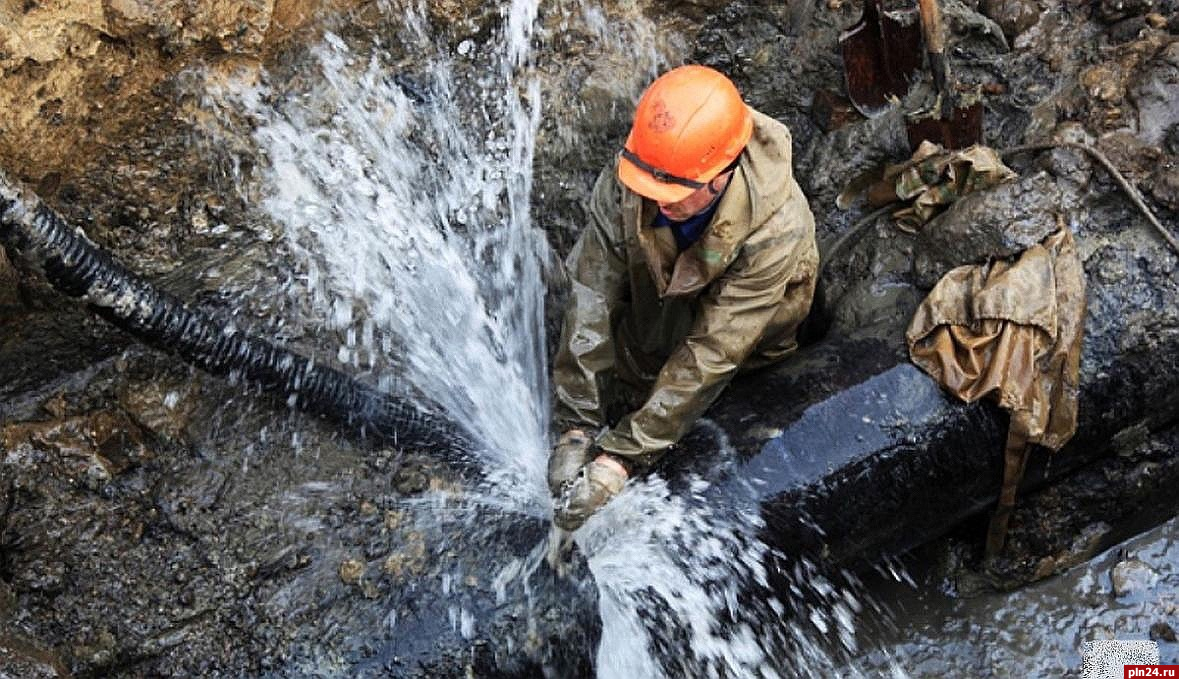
77	267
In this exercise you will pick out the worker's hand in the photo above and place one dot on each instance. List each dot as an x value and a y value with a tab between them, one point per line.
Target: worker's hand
568	457
598	483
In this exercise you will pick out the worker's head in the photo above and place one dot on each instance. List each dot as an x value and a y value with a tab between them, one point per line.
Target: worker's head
690	126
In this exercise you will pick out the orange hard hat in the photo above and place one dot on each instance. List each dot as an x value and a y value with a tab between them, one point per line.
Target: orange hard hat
689	125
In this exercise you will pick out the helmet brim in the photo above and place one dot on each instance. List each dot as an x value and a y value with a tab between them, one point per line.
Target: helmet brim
641	182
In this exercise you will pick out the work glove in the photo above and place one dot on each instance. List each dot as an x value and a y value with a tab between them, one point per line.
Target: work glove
568	457
596	484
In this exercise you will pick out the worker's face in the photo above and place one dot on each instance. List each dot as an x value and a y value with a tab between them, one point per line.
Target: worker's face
697	201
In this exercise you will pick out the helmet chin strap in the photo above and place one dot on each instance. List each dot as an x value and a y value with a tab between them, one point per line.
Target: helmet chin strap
661	175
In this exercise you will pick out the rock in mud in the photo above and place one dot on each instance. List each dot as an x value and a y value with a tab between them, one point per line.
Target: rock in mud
1123	77
1164	185
1162	631
21	659
1154	92
980	226
1127	30
162	406
1132	576
1110	11
1013	16
351	571
90	449
9	294
1084	546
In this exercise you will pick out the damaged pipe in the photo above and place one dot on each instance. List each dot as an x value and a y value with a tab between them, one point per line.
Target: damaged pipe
77	267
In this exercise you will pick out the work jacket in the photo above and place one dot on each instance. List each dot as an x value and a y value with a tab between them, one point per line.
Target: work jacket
674	327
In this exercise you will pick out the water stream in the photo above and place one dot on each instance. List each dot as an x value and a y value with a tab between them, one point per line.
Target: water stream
412	234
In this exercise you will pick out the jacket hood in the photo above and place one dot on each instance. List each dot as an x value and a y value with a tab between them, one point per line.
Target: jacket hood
767	169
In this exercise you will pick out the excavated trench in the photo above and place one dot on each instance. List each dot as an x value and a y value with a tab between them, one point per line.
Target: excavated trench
156	520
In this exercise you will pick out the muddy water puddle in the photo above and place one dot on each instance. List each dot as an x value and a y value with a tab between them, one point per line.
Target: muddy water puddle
1128	592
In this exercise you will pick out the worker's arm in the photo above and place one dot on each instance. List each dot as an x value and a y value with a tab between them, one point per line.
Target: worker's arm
733	316
597	270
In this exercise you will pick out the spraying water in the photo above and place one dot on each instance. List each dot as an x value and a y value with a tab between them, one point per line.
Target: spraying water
405	203
410	223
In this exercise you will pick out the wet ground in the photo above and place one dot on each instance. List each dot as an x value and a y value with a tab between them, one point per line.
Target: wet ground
1130	591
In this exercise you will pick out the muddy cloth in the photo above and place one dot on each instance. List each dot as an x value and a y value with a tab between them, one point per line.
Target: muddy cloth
656	333
1011	331
934	178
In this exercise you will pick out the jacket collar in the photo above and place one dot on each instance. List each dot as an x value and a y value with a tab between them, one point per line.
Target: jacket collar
683	274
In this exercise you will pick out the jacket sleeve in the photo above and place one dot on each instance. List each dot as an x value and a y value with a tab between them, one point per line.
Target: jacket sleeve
597	269
733	316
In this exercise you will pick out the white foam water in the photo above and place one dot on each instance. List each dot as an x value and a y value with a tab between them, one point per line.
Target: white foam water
687	588
408	216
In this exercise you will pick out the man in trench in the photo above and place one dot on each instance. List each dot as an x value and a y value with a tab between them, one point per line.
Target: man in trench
698	262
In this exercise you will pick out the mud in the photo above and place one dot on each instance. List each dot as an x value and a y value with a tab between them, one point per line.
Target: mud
151	550
947	627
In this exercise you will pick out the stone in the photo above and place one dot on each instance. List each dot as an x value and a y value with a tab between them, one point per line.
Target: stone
1132	576
1103	82
1164	184
162	406
89	449
1134	157
1161	631
996	223
1072	131
9	292
1171	141
1013	16
1071	165
1083	547
1110	11
393	518
351	571
1154	92
1127	30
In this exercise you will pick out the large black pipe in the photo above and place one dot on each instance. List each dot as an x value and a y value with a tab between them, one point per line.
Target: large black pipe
77	267
854	452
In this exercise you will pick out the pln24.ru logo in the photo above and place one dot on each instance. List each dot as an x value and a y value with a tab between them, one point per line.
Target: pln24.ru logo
1116	659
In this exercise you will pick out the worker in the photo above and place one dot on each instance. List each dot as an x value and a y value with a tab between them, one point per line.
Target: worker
698	261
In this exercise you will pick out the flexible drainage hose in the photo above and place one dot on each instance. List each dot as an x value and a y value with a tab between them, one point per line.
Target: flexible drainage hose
77	267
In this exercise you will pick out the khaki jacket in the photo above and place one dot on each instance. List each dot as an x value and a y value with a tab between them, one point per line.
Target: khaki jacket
673	328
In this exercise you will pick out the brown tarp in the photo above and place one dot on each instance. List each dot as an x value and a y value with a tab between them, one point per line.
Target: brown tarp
1010	331
934	178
